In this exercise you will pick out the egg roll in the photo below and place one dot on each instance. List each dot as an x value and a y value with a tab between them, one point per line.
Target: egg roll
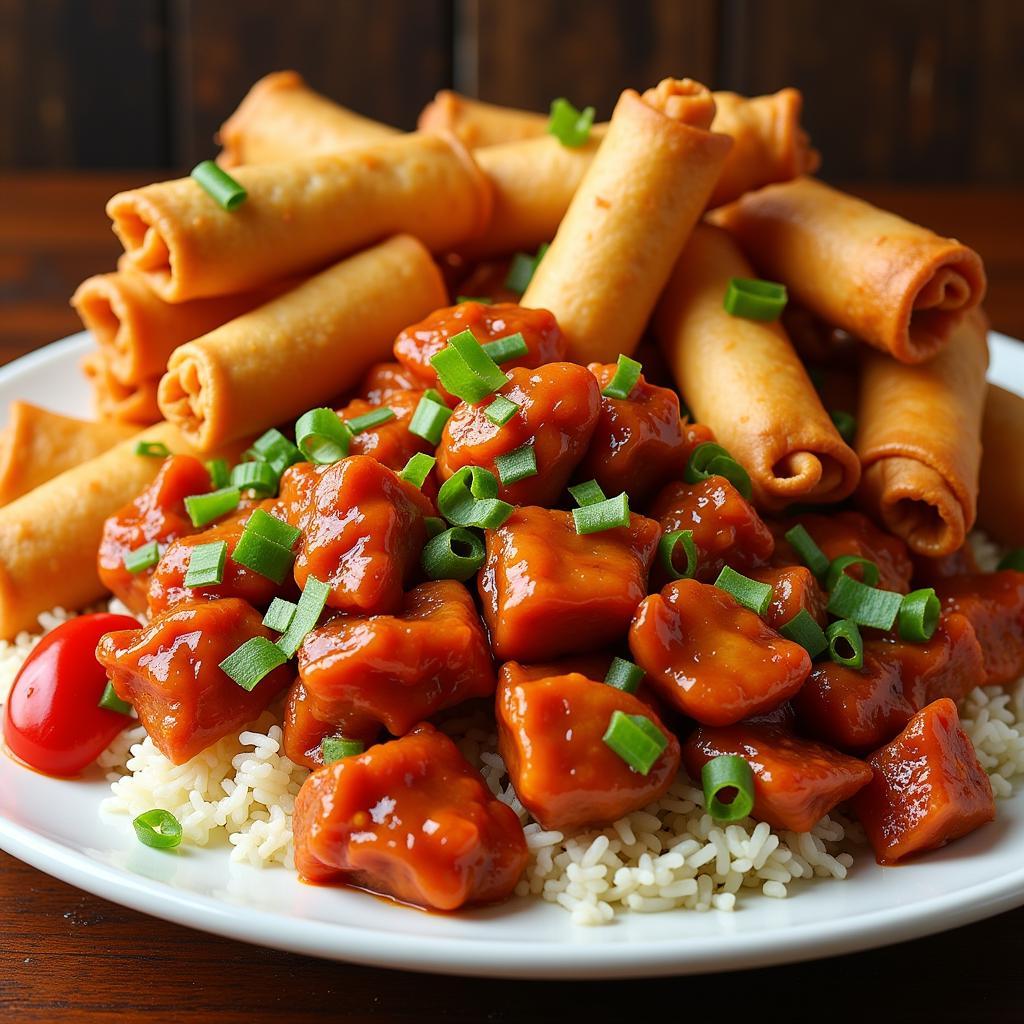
476	123
137	331
300	215
743	379
301	349
49	536
282	118
919	440
37	445
629	219
895	285
1001	484
126	403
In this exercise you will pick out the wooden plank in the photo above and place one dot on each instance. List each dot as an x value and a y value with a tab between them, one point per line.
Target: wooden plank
81	84
524	54
384	58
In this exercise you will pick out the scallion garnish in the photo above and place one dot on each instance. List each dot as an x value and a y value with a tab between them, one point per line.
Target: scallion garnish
755	300
465	369
279	615
667	547
376	418
636	739
253	661
484	300
522	268
429	419
263	556
501	410
276	450
918	617
311	604
158	828
323	436
807	551
152	449
624	675
334	748
845	423
728	772
516	465
455	554
470	498
258	477
434	525
206	564
204	508
867	606
418	468
710	459
588	493
570	126
752	594
272	528
845	644
111	702
502	350
802	629
1012	560
219	185
603	515
627	373
220	473
838	567
142	558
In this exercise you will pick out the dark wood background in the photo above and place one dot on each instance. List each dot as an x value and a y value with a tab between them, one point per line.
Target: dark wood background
896	90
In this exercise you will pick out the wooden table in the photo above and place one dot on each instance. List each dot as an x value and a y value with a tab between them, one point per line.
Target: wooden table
70	957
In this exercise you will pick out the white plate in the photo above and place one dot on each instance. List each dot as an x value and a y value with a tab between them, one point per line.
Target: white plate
56	827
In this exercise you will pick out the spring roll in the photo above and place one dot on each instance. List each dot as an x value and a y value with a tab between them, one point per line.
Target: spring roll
919	440
1001	486
125	403
49	536
300	215
743	379
477	123
137	331
281	118
897	286
37	445
629	219
301	349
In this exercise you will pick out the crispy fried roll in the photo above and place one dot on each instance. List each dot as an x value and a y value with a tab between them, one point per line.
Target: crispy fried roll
477	123
1001	490
127	403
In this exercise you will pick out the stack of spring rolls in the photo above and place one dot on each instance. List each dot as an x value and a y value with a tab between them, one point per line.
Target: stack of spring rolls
225	323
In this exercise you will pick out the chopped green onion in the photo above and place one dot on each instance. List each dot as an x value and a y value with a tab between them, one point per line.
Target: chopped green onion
502	350
522	268
624	675
516	465
323	436
434	525
636	739
845	645
204	508
570	126
369	420
276	450
334	748
219	185
158	828
838	567
272	528
206	564
279	615
253	661
627	373
482	299
865	605
311	604
728	771
470	498
667	547
710	459
455	554
152	449
263	556
755	300
752	594
808	552
918	616
418	468
802	629
220	473
501	410
429	419
845	423
466	370
111	702
1012	560
588	493
258	477
604	515
142	558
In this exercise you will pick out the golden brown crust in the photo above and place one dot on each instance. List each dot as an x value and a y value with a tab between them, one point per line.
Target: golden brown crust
1001	486
126	403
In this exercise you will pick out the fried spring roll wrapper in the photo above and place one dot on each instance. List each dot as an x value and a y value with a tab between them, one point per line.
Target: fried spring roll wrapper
300	215
301	349
919	440
743	379
126	403
49	536
477	123
37	445
1001	487
137	331
281	118
629	219
897	286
